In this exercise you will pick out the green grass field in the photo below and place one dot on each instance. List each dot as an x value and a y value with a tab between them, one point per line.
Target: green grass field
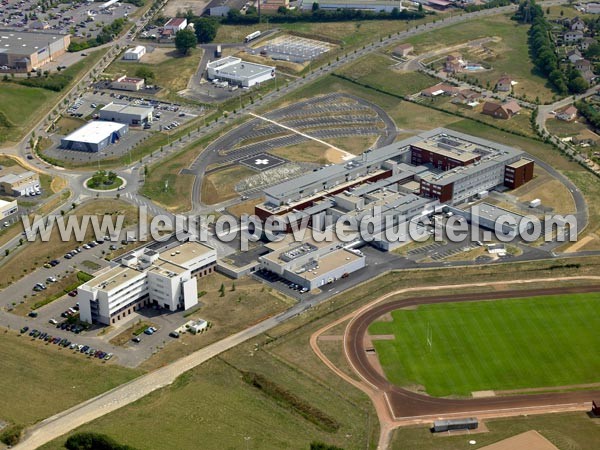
40	380
496	345
566	431
376	70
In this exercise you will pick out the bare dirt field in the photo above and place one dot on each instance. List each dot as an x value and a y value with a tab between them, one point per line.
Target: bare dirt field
181	6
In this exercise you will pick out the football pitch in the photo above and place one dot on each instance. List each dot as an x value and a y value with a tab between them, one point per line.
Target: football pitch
454	349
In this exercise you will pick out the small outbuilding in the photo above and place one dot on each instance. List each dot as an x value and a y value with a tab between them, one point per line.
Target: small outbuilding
134	54
469	423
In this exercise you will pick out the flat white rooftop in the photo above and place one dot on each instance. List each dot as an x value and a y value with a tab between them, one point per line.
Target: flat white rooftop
95	132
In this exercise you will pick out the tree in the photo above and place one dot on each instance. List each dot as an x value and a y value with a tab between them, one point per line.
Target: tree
593	51
185	40
145	73
282	10
315	6
205	29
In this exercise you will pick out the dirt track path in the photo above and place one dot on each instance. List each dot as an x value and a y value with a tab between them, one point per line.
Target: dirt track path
381	401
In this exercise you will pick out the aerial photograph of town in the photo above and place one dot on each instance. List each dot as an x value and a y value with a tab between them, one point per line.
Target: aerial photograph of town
300	224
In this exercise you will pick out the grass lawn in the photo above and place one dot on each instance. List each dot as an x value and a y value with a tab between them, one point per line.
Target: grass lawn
219	186
38	381
19	104
496	345
171	74
208	398
568	430
561	128
549	190
377	70
34	254
248	304
105	187
348	35
510	55
308	151
24	106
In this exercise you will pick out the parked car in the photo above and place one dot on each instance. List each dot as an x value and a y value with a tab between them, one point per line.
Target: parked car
174	334
137	339
24	329
53	321
32	314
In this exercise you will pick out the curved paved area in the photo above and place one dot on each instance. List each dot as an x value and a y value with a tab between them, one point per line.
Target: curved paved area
404	403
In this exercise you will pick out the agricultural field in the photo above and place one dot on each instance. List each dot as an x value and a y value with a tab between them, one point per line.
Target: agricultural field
568	430
51	381
510	55
486	346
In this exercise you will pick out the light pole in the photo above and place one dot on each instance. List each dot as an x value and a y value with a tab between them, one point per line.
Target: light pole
247	439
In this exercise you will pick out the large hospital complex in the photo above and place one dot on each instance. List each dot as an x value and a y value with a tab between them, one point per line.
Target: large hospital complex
393	186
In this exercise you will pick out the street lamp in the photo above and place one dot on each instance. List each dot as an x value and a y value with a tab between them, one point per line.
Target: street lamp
247	439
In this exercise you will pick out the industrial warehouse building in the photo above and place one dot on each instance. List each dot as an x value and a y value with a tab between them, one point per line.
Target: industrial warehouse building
19	184
8	208
94	136
238	72
134	54
399	183
162	277
25	51
126	113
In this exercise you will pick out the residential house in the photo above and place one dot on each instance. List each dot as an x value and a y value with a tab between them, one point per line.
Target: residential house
586	137
572	36
454	64
577	24
403	50
574	55
440	89
467	97
504	84
592	8
585	43
501	110
585	68
567	114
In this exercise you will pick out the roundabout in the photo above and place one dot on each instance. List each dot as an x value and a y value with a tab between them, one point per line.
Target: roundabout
103	181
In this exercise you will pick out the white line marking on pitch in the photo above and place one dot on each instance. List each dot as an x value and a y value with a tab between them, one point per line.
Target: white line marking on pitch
346	155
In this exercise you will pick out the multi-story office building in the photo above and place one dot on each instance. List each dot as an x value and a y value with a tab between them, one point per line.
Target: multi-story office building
146	277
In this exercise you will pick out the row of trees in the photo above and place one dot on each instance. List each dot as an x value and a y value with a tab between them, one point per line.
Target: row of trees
235	17
590	113
543	51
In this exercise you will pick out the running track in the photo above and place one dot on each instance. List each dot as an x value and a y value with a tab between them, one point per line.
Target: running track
404	403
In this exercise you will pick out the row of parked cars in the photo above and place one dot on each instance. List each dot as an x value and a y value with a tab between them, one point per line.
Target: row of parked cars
88	246
273	278
64	342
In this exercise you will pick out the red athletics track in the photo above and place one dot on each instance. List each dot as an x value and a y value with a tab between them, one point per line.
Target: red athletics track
404	403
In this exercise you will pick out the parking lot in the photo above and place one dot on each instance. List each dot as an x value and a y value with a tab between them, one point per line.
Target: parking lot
167	117
83	20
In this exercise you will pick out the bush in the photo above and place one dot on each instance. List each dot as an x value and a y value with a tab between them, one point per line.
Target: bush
94	441
12	435
287	398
